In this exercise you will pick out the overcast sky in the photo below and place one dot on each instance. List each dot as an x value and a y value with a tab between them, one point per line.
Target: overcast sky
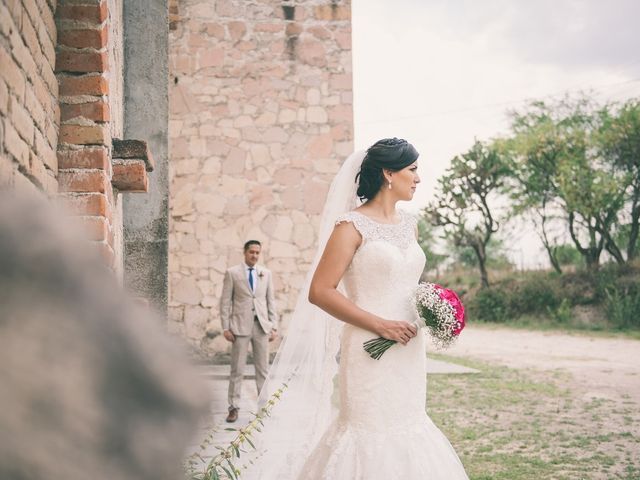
441	72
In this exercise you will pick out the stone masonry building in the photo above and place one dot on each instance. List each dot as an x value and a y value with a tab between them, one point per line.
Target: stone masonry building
260	120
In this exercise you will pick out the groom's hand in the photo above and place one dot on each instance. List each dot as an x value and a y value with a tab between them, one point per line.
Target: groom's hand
228	334
273	335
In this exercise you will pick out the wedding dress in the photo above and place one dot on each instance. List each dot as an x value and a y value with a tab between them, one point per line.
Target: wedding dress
339	414
382	429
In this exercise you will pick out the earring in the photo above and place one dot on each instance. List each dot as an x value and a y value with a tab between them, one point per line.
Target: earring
389	184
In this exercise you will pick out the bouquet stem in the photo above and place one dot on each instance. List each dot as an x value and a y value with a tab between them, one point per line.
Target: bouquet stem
377	346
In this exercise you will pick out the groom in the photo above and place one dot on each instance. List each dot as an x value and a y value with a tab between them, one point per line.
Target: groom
248	313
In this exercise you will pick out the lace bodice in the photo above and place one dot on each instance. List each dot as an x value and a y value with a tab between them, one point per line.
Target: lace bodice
398	234
386	267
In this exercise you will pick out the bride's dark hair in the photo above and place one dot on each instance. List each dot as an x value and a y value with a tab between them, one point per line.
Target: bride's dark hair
389	154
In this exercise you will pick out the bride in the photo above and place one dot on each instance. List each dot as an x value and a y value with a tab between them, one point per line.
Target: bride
344	415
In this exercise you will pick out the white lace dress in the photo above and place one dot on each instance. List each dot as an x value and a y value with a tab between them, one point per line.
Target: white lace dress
383	430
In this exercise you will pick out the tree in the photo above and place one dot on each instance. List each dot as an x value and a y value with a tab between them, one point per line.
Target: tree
557	165
463	205
496	256
592	197
533	153
426	240
619	143
567	254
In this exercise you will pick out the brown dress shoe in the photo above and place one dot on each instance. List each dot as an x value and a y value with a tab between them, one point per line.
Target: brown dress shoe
233	415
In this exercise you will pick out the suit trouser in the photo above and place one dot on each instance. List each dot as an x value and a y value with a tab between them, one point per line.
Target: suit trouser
260	346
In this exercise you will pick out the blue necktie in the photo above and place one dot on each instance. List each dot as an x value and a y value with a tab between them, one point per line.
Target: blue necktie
251	278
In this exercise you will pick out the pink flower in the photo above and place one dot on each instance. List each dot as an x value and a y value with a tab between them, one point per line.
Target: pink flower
450	297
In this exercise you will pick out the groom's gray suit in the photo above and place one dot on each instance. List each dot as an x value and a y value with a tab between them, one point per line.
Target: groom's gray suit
251	316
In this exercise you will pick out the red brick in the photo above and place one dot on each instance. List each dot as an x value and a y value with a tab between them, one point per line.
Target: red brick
56	115
81	62
30	37
23	56
48	46
11	73
4	98
85	13
86	204
86	38
84	135
51	132
130	176
14	145
83	181
32	9
83	85
44	95
15	9
35	109
47	73
96	111
95	228
21	120
46	29
38	173
6	22
106	253
46	152
51	185
97	158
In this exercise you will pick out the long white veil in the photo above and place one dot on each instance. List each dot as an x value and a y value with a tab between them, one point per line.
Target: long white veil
306	361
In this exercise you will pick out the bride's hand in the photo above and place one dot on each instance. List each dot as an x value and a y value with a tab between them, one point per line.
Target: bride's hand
401	332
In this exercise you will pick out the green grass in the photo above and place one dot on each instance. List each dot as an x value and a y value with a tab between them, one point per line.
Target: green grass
526	424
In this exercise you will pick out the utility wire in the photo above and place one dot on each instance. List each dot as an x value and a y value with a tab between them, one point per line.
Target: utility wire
492	105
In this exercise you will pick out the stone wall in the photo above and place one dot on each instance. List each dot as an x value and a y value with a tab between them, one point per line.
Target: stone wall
260	120
29	114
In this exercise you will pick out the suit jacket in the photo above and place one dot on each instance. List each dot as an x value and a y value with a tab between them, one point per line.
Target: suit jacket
239	305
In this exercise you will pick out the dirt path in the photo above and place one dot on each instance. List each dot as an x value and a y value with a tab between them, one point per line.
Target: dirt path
602	367
573	414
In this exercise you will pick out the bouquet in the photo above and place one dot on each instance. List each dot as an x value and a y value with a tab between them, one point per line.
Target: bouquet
440	310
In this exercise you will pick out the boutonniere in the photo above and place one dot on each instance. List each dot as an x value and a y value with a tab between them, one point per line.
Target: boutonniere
260	274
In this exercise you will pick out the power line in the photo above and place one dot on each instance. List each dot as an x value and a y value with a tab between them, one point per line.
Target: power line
492	105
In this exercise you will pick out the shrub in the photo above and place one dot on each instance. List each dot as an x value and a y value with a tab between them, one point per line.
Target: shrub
606	298
623	306
533	295
488	304
563	314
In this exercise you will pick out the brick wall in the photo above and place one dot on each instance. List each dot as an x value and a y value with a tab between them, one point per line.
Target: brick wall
89	65
29	114
61	106
260	121
85	134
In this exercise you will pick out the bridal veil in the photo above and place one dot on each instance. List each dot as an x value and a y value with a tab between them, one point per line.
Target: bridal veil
307	362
